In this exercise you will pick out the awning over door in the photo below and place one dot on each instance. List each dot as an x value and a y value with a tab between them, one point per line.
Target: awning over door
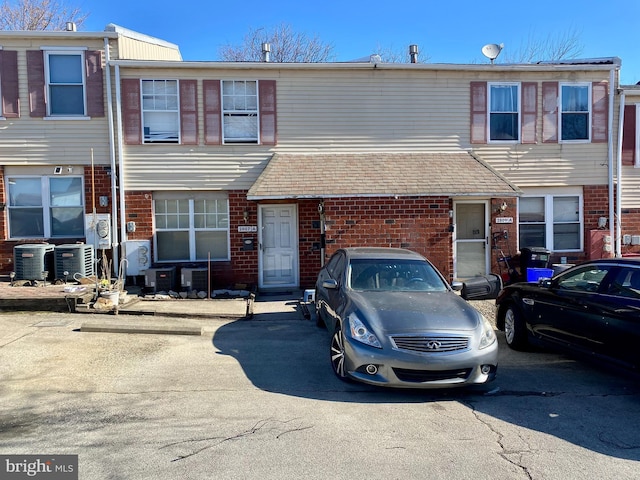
378	174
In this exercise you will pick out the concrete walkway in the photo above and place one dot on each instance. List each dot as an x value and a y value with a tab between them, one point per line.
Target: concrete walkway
152	314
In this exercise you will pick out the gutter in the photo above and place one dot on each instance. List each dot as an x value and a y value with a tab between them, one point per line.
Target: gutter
112	157
612	218
120	148
619	176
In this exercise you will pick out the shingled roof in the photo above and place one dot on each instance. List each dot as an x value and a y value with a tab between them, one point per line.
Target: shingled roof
378	174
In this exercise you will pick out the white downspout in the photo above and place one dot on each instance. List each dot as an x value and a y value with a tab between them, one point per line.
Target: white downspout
610	153
619	177
123	227
112	157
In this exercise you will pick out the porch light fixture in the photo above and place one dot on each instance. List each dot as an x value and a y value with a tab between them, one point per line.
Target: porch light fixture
245	215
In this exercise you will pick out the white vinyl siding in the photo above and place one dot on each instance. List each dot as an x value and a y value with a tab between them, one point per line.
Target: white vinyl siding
324	110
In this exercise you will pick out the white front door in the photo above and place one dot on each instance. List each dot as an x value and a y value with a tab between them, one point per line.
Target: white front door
278	241
471	239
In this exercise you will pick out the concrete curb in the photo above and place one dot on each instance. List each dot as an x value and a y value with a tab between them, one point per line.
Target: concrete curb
149	329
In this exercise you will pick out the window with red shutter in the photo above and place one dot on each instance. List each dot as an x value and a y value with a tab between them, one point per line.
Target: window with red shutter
9	83
212	112
189	112
268	117
529	112
600	105
629	136
478	118
550	112
131	114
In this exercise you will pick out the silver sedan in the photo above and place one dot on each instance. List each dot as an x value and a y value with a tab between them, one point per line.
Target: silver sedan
395	321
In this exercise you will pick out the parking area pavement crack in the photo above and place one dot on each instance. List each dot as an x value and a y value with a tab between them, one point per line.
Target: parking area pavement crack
277	428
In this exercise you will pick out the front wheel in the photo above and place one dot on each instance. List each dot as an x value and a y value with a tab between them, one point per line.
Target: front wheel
515	331
337	355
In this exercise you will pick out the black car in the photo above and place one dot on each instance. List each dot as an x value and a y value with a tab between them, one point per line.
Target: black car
592	308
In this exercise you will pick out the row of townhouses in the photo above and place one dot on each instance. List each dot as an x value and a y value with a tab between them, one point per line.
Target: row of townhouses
259	171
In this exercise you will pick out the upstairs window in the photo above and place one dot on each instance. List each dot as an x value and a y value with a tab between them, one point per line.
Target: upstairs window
504	112
65	83
575	119
240	111
160	111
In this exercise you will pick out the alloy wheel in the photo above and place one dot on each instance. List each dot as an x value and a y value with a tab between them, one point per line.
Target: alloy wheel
509	326
337	354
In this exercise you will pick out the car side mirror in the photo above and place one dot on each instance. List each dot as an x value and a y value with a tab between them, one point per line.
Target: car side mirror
546	283
330	283
457	286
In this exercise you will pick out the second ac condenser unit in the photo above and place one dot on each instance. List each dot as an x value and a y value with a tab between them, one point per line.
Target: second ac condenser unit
32	260
75	259
194	278
160	279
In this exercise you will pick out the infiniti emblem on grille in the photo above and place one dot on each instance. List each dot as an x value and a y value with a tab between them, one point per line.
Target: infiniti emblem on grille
433	345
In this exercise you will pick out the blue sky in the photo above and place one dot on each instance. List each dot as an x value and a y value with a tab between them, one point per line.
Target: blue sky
446	31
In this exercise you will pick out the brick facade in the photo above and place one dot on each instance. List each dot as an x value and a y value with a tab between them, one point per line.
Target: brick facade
417	223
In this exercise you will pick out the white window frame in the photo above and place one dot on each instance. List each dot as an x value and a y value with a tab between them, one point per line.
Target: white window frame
160	140
48	52
548	217
589	111
518	111
231	112
46	206
191	229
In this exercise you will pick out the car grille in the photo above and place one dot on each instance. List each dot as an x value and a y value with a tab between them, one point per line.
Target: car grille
421	376
430	344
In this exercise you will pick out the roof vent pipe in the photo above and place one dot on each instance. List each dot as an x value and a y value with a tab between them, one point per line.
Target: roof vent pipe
413	53
266	52
70	27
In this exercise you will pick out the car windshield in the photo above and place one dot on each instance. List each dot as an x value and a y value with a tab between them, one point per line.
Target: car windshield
387	275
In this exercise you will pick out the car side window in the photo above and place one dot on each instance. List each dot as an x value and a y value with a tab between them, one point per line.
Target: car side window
626	283
587	279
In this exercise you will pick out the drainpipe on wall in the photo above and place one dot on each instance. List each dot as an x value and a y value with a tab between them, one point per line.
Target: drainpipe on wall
619	177
610	153
112	156
123	229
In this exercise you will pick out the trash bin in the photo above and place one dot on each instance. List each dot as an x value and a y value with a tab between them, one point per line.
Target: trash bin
534	257
485	287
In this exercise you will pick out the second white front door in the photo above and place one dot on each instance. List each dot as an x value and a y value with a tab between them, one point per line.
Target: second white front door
278	241
471	245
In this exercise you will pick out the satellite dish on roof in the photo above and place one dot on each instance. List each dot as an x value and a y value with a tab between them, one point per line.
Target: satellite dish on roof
492	50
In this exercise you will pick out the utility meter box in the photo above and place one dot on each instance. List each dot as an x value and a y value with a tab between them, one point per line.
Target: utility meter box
98	230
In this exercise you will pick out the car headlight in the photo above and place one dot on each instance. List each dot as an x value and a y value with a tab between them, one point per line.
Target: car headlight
360	333
488	336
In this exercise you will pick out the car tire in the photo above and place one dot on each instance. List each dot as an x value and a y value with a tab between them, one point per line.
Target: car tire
515	331
337	355
319	321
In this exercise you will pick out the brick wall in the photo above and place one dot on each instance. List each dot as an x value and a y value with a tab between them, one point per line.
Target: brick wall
417	223
96	185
